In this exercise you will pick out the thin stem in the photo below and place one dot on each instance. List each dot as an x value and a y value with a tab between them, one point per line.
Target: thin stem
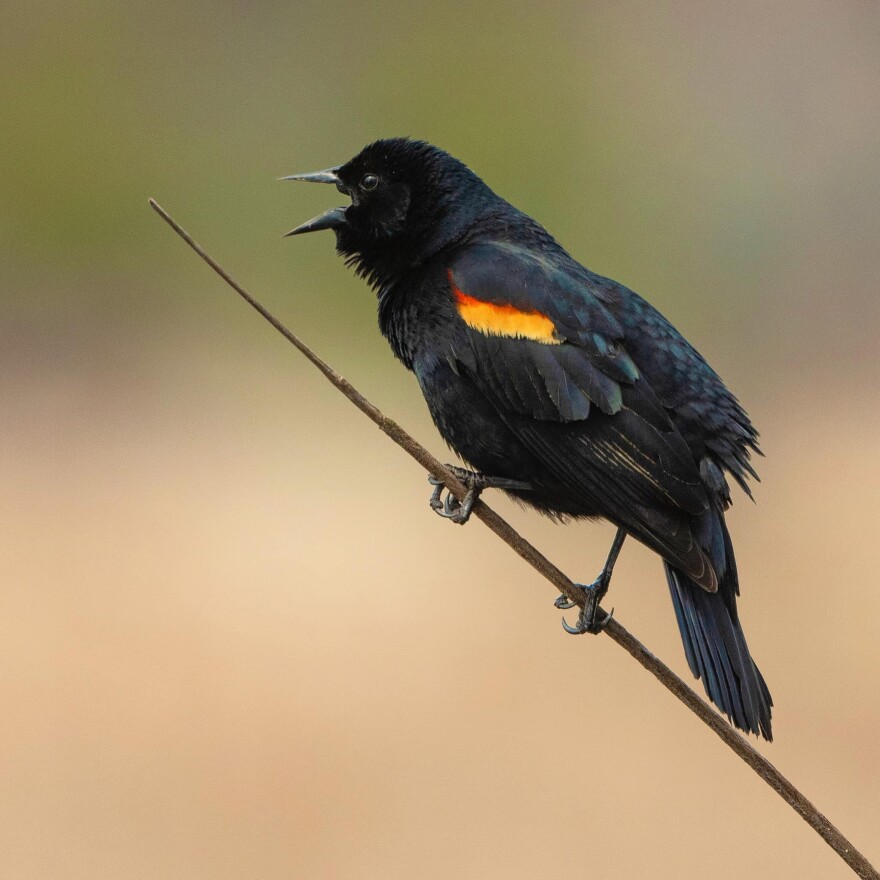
786	790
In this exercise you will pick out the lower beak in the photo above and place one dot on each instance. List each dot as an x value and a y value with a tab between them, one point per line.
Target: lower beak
332	219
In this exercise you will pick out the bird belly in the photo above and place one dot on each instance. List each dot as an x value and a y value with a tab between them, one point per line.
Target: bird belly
479	435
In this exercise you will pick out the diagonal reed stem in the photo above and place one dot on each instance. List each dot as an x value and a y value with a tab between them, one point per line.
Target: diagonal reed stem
785	789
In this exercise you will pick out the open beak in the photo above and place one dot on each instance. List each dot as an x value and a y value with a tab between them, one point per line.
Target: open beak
332	219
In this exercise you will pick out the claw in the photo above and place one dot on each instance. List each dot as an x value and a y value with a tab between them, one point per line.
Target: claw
587	620
572	630
563	603
583	626
455	511
599	625
434	500
450	507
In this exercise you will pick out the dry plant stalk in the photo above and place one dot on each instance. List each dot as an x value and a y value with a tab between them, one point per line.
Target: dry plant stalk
737	743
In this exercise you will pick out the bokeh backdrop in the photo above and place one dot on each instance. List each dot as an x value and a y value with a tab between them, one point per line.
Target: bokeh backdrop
234	641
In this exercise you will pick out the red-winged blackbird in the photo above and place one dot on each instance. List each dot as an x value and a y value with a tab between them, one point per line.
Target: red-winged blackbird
562	387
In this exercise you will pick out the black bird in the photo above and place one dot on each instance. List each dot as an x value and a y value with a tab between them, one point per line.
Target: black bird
561	387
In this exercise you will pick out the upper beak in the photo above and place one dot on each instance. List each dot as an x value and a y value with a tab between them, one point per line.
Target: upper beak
332	219
328	175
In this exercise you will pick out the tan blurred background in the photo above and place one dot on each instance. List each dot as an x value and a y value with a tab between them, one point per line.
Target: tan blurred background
234	641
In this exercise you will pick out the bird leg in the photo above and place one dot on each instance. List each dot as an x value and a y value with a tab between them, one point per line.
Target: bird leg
593	595
460	512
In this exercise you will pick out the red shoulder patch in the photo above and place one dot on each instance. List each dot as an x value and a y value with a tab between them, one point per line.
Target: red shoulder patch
494	319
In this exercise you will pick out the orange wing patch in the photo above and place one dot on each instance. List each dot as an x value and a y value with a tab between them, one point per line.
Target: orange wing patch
503	320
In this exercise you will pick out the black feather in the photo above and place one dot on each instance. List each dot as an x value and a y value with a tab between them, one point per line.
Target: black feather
569	381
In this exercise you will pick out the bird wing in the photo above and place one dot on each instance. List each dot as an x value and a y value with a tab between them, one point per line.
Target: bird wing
547	352
504	292
707	414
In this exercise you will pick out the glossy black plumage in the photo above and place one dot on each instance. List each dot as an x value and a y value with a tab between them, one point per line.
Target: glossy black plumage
537	370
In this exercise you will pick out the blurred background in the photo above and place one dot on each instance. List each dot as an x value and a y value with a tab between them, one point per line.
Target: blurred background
234	641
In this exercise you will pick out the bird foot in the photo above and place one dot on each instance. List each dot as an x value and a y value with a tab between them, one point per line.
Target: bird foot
589	620
450	507
457	511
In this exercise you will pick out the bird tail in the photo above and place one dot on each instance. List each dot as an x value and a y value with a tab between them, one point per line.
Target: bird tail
713	639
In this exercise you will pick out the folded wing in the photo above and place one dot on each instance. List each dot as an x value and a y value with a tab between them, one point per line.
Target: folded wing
548	354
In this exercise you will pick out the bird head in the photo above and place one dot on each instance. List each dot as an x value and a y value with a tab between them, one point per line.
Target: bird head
408	200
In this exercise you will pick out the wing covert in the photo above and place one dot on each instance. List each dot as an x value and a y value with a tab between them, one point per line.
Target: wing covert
551	361
545	345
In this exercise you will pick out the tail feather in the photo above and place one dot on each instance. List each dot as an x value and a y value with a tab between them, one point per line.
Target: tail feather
715	646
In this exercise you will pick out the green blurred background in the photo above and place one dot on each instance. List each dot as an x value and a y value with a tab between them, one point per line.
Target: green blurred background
234	641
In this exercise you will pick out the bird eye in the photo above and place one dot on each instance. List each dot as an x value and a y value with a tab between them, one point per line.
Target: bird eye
369	182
